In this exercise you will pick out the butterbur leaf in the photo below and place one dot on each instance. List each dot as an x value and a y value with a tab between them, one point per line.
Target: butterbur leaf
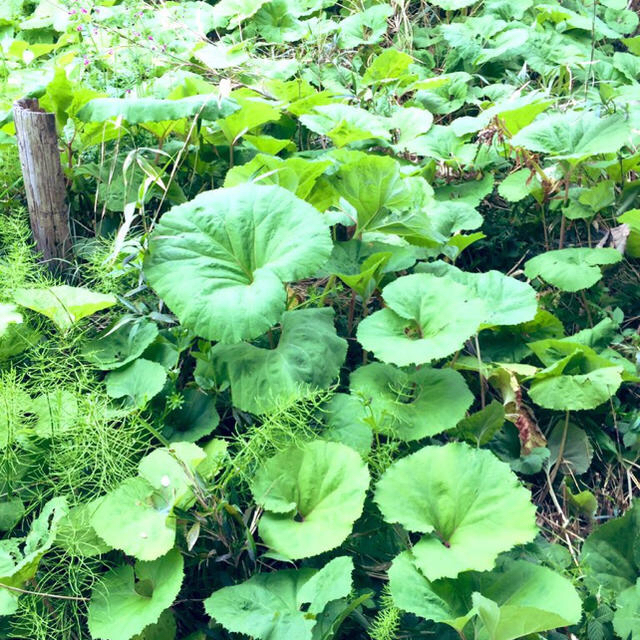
63	305
311	497
347	420
508	301
366	27
574	134
445	601
220	261
138	110
523	599
128	599
308	356
172	468
343	123
579	379
571	269
481	426
139	381
468	518
411	406
196	418
146	528
15	336
577	452
372	185
390	65
426	318
270	606
121	346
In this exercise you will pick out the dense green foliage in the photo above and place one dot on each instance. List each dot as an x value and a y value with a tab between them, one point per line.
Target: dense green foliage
347	346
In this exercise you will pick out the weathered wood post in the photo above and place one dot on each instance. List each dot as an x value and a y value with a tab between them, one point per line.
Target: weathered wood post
43	180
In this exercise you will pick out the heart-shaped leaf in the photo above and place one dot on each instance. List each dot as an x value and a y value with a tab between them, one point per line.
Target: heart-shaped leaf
580	379
508	301
571	269
220	261
128	599
522	599
311	496
574	134
139	382
468	517
273	606
411	406
308	356
426	318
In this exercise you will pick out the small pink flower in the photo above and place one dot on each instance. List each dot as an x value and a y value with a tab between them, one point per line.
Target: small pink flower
79	28
72	12
83	10
150	38
86	62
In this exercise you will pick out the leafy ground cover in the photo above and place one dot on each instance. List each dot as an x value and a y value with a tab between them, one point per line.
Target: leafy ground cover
347	346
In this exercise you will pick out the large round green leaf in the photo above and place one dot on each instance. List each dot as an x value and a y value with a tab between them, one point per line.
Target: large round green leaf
122	606
145	529
274	606
579	380
571	269
220	261
469	516
413	405
574	134
311	497
308	356
508	301
426	318
522	599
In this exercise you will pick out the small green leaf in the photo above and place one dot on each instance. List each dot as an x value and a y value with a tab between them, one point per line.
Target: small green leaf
146	528
56	412
626	620
139	381
611	556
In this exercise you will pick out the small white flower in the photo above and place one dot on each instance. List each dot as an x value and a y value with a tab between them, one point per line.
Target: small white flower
144	535
165	481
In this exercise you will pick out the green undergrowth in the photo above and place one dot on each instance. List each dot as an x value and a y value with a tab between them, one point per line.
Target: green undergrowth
347	343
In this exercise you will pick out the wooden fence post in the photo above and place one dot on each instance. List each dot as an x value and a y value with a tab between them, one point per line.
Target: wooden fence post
43	180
